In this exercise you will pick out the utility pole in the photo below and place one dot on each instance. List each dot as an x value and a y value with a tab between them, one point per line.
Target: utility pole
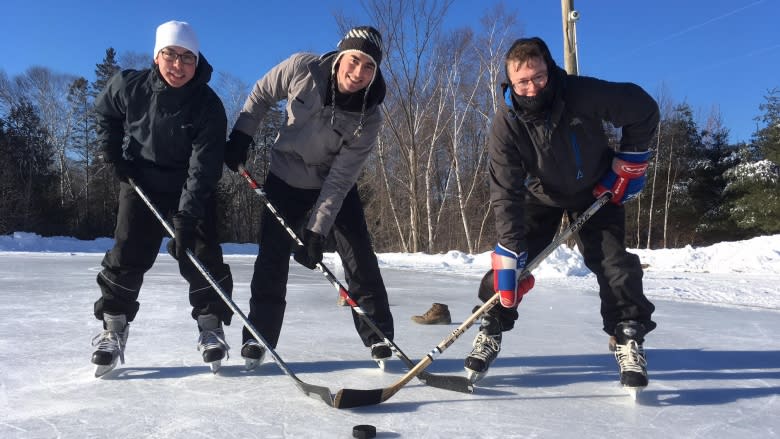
570	18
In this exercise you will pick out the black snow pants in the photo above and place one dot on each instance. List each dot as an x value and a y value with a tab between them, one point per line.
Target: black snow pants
353	244
138	236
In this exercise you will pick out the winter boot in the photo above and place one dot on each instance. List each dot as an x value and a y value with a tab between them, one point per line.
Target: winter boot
439	314
487	345
630	356
110	343
253	354
212	341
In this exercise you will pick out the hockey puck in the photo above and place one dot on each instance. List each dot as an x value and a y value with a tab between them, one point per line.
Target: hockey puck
364	431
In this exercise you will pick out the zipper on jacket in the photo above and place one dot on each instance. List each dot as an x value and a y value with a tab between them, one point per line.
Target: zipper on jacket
577	156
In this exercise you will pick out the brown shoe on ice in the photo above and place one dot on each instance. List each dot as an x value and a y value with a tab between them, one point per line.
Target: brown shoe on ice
439	314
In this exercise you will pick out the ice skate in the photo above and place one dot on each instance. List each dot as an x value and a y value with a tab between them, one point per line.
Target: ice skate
253	354
487	345
381	352
110	344
212	341
630	356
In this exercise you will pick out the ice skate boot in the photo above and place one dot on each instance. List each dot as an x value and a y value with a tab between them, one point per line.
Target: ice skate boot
110	343
381	352
253	354
487	345
211	341
630	356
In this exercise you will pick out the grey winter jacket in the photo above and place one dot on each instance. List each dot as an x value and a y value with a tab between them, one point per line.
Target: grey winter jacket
557	159
310	152
174	137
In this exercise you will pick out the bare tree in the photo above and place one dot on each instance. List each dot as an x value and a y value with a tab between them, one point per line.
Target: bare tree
409	29
48	93
233	93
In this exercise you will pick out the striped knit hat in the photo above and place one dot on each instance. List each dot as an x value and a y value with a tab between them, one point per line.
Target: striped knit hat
367	41
364	39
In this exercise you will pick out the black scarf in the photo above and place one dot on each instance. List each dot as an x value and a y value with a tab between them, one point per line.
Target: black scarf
542	102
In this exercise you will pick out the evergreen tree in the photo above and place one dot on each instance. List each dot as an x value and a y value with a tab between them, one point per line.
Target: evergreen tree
104	71
767	139
104	188
752	194
26	176
707	184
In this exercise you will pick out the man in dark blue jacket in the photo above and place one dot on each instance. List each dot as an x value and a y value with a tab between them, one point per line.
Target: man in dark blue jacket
549	156
163	127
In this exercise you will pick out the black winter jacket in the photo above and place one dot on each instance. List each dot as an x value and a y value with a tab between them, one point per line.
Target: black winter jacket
558	157
173	137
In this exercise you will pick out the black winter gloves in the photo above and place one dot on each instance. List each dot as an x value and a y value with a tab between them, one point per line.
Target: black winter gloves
237	149
123	169
310	253
185	235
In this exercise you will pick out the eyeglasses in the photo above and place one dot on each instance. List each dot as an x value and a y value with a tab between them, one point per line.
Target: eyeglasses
171	56
522	86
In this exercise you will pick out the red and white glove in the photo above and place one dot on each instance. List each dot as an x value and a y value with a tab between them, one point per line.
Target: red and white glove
626	178
508	266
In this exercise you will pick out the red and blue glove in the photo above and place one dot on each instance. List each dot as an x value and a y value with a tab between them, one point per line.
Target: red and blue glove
508	266
626	178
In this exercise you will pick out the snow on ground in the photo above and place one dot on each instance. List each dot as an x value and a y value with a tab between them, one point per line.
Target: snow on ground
714	360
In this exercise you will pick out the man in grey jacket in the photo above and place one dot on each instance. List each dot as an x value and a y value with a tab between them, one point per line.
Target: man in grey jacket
333	120
549	156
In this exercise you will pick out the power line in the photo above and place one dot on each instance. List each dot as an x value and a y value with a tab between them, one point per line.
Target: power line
695	27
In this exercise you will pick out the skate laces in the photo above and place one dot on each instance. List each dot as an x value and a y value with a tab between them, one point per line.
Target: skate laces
486	347
631	357
213	339
111	341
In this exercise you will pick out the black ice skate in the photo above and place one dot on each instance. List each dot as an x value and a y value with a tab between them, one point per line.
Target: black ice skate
212	341
253	354
110	343
487	345
630	356
381	352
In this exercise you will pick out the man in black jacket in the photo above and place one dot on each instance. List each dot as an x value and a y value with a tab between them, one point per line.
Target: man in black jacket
549	156
163	127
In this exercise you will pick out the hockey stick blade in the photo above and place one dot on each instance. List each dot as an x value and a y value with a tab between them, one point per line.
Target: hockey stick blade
349	398
318	392
447	382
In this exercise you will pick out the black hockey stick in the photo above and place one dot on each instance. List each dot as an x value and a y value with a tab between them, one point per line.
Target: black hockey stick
347	398
448	382
318	392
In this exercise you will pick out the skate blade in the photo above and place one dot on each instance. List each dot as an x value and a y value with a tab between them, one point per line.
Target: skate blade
633	392
101	371
215	365
252	364
381	364
474	376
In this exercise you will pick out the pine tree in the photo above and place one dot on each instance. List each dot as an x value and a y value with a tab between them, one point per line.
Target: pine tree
104	71
767	139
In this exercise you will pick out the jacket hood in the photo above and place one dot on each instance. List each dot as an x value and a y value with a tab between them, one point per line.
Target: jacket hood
376	90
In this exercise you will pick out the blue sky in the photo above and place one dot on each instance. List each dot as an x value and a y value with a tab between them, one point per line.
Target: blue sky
713	54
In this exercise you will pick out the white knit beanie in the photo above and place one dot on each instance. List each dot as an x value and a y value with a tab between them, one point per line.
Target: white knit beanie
176	33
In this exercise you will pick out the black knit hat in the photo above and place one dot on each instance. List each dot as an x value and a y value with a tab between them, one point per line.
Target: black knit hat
364	39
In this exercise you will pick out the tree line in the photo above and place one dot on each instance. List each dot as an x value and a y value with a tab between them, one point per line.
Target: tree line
425	186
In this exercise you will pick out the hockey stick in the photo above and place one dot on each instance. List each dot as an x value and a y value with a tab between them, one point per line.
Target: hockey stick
318	392
347	398
448	382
